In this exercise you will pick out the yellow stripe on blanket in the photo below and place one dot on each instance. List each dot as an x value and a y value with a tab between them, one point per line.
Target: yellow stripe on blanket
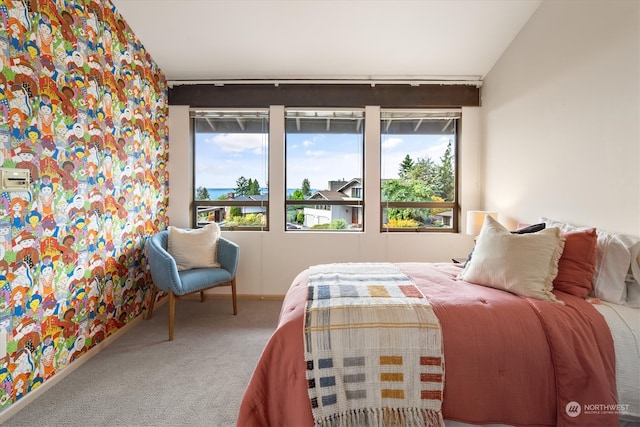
378	292
392	376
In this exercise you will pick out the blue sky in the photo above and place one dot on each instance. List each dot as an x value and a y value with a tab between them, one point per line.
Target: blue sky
322	158
396	147
222	158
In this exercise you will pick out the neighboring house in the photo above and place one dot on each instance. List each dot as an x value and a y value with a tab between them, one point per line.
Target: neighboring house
445	217
220	214
253	209
338	190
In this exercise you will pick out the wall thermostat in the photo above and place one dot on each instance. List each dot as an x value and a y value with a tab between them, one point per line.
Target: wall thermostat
14	179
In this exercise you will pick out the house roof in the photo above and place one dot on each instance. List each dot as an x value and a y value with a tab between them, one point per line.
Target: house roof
327	195
254	198
350	183
338	192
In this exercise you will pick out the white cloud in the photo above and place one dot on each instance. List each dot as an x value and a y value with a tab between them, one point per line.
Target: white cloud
307	143
416	149
317	153
391	142
436	151
238	142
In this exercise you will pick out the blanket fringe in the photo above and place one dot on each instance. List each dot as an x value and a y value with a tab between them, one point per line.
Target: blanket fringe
384	417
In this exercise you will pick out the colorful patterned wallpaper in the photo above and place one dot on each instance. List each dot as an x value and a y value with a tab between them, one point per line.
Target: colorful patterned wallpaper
83	107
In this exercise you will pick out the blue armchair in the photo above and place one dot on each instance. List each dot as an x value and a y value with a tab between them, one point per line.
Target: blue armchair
167	278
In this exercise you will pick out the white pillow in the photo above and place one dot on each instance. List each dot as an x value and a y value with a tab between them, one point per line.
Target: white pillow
633	278
523	264
195	248
617	274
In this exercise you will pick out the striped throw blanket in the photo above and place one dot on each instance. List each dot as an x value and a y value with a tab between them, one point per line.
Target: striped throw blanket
373	348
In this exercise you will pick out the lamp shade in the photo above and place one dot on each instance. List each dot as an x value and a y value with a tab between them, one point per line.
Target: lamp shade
475	219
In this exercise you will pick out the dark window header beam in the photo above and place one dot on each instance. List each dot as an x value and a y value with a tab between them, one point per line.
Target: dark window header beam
324	95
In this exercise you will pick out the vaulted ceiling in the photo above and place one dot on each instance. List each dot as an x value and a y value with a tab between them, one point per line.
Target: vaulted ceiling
326	39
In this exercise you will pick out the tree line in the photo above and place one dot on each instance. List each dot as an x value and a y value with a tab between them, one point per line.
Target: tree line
244	187
419	180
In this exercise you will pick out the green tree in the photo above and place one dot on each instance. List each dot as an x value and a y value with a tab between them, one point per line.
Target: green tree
253	187
298	194
242	186
424	169
445	185
400	191
202	193
405	167
247	187
306	187
338	224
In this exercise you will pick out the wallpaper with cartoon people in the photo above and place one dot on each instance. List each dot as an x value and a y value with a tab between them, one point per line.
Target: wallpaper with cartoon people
83	107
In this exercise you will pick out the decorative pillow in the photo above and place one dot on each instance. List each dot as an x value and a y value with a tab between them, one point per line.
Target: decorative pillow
617	271
533	228
577	264
523	264
195	248
633	277
614	263
524	229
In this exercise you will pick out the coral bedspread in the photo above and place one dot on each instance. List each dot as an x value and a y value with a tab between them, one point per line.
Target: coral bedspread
509	359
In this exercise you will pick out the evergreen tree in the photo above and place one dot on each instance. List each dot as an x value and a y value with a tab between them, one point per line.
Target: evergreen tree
242	187
425	170
405	167
202	193
306	187
445	185
247	187
254	187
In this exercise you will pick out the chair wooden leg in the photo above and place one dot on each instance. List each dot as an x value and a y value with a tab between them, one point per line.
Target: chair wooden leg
233	296
172	312
201	296
154	291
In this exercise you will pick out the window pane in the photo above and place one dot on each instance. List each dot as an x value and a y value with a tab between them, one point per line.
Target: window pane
437	218
233	217
324	169
418	167
231	167
316	215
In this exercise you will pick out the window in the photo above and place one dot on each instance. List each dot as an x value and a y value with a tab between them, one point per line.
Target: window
418	188
324	169
231	168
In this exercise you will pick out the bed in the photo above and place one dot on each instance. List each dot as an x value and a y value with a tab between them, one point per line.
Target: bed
557	358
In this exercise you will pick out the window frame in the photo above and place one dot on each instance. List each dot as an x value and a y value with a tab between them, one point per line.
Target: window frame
456	115
198	206
453	206
321	204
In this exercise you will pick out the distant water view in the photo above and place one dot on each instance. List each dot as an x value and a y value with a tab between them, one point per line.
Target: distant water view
214	193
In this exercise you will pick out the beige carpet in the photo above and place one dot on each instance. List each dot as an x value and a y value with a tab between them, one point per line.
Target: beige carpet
141	379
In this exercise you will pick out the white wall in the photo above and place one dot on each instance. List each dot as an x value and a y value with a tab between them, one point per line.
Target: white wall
180	166
270	260
561	118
